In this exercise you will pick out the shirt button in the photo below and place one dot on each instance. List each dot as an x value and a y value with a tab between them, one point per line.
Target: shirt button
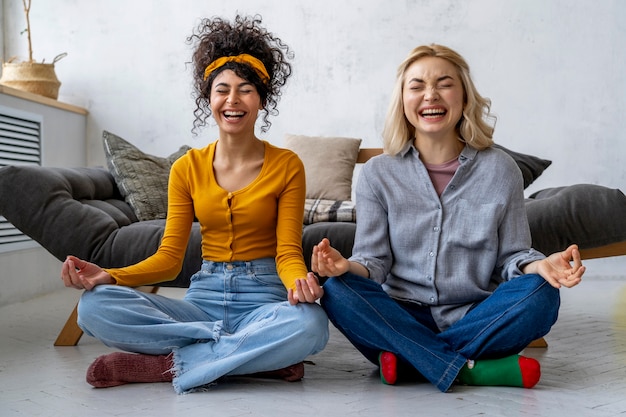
436	228
431	254
432	299
429	278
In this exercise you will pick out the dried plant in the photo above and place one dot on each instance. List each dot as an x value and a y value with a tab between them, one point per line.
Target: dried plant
30	60
26	4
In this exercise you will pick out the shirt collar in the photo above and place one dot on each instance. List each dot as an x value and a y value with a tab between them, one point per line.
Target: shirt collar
468	153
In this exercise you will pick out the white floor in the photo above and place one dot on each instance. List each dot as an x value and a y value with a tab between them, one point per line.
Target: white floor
584	373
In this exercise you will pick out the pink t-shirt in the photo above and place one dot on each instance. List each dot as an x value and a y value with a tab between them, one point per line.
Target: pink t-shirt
441	174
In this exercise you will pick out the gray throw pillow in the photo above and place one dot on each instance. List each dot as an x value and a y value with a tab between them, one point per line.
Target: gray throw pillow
141	178
531	166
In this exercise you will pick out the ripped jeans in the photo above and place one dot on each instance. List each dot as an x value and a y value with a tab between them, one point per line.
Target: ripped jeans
233	320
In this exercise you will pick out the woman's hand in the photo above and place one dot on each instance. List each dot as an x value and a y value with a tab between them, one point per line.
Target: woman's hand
307	290
557	270
83	275
327	261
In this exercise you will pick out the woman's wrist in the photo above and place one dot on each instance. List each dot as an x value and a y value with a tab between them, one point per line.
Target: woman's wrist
530	268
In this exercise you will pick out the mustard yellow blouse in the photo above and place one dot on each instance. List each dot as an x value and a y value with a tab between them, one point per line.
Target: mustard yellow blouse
261	220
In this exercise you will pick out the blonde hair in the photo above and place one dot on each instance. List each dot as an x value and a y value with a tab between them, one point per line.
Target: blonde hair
474	127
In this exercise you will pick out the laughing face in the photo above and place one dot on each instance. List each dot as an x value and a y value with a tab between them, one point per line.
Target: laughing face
235	103
433	98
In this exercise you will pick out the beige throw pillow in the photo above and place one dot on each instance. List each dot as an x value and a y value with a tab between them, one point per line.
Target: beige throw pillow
328	162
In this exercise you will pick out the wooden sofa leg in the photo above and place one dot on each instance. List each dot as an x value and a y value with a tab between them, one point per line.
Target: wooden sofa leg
70	334
538	343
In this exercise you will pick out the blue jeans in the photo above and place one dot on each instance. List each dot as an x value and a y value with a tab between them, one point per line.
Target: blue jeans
518	312
233	320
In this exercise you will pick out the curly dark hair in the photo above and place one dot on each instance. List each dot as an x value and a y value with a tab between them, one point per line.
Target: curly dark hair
215	38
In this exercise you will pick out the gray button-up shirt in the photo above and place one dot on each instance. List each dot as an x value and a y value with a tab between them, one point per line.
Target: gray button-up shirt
447	252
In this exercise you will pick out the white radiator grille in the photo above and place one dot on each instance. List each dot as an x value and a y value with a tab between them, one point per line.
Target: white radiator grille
20	144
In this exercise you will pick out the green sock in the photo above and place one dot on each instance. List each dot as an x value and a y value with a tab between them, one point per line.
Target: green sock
512	371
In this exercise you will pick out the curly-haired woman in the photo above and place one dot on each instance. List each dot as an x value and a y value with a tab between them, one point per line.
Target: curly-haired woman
251	309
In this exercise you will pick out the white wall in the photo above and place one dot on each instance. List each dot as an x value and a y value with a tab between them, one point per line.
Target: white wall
2	31
555	70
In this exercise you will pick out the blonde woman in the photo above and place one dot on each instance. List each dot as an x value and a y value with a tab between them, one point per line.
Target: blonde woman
443	281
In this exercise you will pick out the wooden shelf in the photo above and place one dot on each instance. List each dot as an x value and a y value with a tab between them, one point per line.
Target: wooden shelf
41	99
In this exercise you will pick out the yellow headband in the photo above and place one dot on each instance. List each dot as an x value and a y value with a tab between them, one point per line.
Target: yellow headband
255	63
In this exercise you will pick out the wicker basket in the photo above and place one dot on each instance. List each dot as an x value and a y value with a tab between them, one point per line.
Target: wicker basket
34	77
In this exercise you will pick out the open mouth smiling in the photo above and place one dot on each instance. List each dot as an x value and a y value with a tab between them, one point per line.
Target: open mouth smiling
231	115
433	113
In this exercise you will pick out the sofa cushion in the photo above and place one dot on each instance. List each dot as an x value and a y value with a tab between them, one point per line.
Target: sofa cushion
531	166
328	162
341	236
141	178
586	214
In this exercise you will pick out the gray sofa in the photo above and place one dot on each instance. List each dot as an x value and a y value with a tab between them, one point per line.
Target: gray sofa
80	211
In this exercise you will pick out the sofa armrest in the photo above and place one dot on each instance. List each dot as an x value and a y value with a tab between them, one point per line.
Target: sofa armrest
80	212
54	205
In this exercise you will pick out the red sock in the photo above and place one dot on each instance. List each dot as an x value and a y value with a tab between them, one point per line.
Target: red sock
120	368
388	367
